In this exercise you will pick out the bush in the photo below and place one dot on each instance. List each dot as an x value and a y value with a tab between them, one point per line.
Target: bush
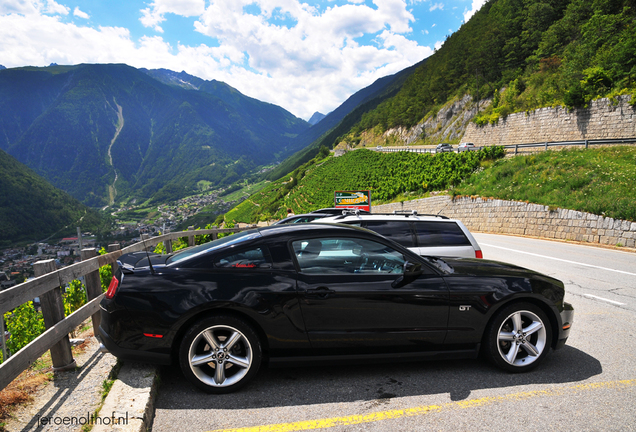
25	324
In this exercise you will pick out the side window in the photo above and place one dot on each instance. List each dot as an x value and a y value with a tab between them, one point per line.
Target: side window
432	233
304	219
346	255
398	231
247	259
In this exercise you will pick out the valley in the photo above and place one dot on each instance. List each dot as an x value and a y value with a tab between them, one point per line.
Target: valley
138	142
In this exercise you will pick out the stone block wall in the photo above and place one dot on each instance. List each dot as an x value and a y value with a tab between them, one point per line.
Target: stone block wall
602	119
520	218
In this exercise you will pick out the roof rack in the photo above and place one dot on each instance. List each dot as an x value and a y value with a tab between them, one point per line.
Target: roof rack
348	212
405	213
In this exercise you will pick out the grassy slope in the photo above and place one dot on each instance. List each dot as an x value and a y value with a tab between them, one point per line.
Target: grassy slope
599	181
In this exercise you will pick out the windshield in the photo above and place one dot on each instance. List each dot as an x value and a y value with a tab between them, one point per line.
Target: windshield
215	244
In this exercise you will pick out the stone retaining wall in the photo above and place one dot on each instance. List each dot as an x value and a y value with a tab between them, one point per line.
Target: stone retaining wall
520	218
602	119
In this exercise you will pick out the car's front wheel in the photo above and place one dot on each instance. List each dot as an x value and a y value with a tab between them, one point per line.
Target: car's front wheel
220	354
519	337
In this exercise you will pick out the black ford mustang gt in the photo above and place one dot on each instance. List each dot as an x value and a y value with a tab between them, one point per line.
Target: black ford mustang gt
324	292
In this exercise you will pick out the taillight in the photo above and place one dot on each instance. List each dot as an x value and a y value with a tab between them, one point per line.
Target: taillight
478	254
112	288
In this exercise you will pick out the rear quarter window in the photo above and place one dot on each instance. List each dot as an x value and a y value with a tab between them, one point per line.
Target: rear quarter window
398	231
247	259
435	233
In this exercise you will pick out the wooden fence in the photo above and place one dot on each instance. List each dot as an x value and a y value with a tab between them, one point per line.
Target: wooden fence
47	285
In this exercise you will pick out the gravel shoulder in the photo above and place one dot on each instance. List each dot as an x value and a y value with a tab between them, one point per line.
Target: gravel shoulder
73	395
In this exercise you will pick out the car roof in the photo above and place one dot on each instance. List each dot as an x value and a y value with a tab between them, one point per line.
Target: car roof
315	227
316	215
388	217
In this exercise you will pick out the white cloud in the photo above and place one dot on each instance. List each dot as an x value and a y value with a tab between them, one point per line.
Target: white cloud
29	7
154	15
436	6
55	8
477	4
78	13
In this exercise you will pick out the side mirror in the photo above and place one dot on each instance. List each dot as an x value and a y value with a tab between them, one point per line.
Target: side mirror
411	272
412	269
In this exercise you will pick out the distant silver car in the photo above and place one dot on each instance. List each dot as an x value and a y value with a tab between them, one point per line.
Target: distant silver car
426	235
443	147
466	146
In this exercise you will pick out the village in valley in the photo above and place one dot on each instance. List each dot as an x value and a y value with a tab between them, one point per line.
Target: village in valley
16	263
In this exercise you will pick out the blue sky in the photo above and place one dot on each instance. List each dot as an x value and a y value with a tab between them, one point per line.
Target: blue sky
305	56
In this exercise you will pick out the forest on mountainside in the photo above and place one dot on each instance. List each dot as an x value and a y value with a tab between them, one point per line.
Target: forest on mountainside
524	54
31	209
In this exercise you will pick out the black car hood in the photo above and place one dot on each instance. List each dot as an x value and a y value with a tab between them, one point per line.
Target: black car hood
482	267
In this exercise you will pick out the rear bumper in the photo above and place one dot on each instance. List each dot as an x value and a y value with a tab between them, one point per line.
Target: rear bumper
567	318
132	355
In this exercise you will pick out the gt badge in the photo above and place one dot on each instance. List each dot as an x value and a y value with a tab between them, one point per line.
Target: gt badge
464	308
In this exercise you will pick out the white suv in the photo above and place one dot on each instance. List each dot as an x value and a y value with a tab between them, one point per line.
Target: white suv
428	235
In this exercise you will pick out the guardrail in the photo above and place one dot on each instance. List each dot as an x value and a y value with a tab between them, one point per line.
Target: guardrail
46	285
407	149
518	147
585	143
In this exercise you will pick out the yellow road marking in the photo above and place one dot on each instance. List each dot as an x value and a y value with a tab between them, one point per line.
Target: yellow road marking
423	410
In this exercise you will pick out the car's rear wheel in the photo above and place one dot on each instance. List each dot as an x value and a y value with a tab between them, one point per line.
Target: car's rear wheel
220	354
519	337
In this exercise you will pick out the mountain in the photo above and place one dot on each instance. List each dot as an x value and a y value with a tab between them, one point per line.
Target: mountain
340	120
511	56
112	132
31	209
315	118
521	55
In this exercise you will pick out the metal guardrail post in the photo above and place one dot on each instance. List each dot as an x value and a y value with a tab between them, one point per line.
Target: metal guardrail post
53	312
546	146
93	287
586	143
516	148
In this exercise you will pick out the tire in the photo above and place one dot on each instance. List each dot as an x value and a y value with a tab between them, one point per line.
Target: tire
220	354
518	338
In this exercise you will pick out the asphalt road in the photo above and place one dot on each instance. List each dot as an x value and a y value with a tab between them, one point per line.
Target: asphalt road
607	275
589	385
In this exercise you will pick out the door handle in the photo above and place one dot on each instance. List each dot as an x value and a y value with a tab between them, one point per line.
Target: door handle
321	292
